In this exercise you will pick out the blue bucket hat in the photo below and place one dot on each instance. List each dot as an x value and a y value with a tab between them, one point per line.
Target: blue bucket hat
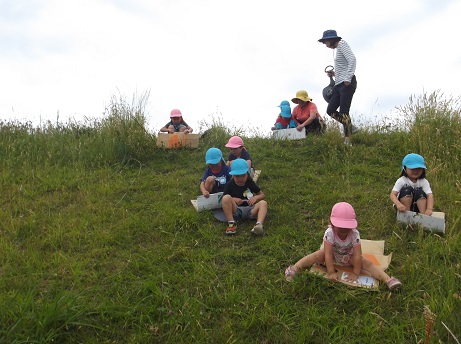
284	103
329	34
239	167
286	111
213	155
413	160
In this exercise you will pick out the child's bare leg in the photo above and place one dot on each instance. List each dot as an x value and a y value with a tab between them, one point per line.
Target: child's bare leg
374	270
422	205
310	259
259	210
407	201
229	207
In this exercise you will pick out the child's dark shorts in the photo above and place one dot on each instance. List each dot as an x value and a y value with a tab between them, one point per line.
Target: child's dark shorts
415	193
243	213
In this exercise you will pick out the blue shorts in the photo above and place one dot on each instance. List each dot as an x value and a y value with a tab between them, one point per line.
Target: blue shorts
243	213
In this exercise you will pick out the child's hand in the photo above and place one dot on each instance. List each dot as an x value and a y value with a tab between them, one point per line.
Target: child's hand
206	194
428	212
401	207
351	277
252	200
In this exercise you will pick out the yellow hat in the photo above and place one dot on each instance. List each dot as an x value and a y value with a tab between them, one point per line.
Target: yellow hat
301	95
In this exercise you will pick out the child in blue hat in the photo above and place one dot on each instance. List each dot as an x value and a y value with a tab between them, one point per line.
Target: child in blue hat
217	173
285	119
412	191
243	198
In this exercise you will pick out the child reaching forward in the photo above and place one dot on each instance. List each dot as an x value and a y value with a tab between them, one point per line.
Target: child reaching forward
342	247
243	198
216	175
412	191
285	119
237	150
176	124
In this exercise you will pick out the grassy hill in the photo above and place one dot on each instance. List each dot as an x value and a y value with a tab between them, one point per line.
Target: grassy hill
99	242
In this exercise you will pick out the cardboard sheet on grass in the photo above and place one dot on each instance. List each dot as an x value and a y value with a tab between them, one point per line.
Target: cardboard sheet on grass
371	249
214	201
434	223
289	134
177	140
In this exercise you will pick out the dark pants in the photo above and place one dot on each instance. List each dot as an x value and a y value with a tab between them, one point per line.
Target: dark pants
342	98
316	127
415	193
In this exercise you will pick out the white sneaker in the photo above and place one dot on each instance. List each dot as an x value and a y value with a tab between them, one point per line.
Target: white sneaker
258	230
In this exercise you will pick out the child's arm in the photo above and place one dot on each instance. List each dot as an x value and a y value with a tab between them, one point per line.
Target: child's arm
204	190
357	260
429	204
331	272
259	196
396	201
249	164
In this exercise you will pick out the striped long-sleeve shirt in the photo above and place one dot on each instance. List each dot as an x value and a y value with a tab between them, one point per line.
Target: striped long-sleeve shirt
344	63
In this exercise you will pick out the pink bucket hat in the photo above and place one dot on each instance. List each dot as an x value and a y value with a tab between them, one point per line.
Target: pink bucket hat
235	142
175	113
343	216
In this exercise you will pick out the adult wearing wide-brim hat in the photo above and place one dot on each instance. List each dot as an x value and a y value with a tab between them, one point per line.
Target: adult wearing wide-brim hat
345	80
306	114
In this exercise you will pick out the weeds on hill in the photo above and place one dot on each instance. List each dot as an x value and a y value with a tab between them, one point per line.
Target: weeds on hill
99	241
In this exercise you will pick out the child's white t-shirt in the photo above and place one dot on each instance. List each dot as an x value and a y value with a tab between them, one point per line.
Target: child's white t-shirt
342	249
405	181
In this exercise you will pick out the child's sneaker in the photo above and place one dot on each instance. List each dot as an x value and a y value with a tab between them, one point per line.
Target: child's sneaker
258	230
393	284
290	272
231	228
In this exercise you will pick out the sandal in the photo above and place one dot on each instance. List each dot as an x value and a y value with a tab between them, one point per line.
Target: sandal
290	272
393	284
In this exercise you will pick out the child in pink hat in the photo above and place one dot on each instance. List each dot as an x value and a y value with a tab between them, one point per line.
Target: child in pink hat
176	124
238	151
342	247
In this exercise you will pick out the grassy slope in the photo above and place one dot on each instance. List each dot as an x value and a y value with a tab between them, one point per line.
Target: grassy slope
94	250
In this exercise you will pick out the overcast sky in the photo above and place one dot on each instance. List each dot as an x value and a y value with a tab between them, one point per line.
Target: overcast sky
235	60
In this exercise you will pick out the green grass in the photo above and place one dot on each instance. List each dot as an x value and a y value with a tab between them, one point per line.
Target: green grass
99	242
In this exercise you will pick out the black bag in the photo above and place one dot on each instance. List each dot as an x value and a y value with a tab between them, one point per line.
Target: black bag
328	91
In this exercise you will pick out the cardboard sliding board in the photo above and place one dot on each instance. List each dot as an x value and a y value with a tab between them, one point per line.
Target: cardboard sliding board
289	134
214	201
434	223
177	140
371	249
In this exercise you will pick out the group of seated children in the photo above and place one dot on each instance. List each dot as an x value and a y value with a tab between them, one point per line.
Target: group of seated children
304	116
411	192
242	197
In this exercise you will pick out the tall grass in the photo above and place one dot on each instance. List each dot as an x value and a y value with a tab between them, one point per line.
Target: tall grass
99	242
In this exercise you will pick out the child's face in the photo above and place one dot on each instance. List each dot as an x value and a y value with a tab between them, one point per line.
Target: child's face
214	167
240	179
236	151
176	119
414	173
